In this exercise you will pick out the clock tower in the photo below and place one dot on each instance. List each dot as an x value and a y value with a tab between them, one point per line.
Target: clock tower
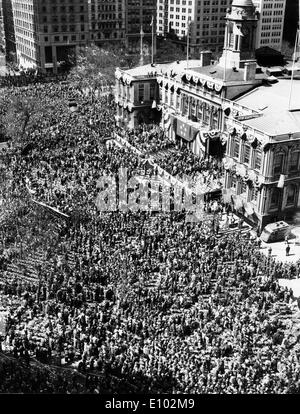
240	31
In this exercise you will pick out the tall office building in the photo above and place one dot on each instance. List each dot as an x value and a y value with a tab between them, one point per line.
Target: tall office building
106	21
207	17
139	15
45	34
9	31
48	33
271	23
2	34
291	20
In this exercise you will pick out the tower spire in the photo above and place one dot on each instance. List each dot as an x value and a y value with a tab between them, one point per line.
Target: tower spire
239	43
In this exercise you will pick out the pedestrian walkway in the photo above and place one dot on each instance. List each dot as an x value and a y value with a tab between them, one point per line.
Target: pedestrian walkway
279	249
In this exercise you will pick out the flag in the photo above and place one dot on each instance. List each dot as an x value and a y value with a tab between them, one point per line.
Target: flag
183	130
189	26
151	24
281	181
142	32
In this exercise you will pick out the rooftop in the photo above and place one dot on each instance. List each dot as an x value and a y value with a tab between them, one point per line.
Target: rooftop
273	102
145	70
217	72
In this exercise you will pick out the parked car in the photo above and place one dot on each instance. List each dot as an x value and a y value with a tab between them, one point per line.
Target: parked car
275	232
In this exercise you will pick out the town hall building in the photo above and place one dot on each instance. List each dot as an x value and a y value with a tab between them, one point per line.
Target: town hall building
228	108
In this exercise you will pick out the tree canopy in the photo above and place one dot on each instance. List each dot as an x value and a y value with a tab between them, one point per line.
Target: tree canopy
96	66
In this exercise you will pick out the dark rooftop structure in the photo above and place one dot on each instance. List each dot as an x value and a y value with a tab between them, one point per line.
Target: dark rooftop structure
266	56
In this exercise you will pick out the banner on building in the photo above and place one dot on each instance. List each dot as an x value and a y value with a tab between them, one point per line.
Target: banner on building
183	130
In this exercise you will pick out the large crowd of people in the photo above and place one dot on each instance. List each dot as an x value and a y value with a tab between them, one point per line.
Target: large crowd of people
132	301
176	160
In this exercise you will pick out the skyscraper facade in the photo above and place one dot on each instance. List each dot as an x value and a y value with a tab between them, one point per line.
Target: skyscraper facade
291	20
2	34
106	21
207	17
271	23
9	31
139	15
48	33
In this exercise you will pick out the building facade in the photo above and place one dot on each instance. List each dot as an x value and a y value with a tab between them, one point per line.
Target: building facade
9	31
106	21
194	91
2	36
47	33
139	14
227	109
271	23
263	155
208	21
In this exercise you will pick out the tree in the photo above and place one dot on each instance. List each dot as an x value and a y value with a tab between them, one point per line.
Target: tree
21	115
287	49
169	51
96	66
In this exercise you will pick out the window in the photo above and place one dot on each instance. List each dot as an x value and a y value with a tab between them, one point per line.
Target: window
246	155
254	194
152	89
257	163
291	192
275	197
233	182
141	92
171	99
278	163
243	187
236	148
294	163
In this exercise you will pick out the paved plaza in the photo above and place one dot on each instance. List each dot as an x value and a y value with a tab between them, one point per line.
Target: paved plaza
279	248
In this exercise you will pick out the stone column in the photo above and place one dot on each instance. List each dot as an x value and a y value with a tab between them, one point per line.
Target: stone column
263	200
189	107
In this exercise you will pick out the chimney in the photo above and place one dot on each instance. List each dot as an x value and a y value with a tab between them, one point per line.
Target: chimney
249	70
205	57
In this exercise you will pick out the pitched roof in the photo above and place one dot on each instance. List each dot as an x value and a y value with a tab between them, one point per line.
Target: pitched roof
273	102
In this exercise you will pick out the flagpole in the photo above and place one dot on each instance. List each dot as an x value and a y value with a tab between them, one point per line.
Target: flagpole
225	54
152	51
293	68
141	52
187	44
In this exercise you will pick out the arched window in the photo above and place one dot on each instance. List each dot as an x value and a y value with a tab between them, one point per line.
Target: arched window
236	147
291	195
278	163
294	162
275	196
